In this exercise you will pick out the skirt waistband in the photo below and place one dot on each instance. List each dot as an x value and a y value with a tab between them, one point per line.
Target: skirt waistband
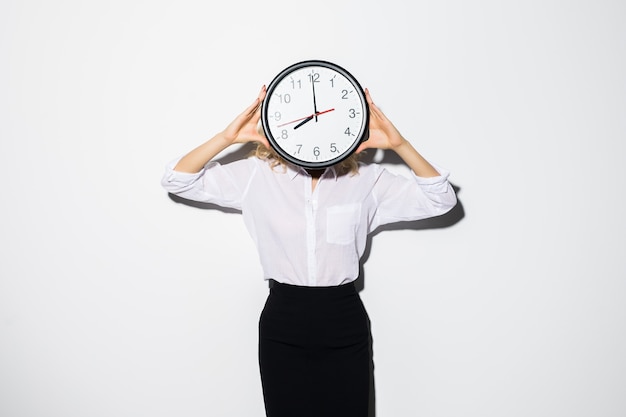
303	291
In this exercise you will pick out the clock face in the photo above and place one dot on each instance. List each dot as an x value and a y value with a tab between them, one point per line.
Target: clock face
315	114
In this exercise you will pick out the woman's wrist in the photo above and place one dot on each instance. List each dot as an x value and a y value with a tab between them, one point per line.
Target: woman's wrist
223	139
400	144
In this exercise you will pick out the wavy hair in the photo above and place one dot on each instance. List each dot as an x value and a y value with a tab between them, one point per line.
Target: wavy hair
350	165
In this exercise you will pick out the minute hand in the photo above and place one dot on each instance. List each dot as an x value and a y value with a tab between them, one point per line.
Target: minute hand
314	101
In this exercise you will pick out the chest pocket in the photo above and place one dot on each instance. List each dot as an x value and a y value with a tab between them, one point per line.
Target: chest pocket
342	222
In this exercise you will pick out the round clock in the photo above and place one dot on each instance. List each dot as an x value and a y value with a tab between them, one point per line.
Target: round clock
315	114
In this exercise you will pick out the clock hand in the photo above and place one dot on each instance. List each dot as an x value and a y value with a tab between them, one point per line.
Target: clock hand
314	102
308	119
305	119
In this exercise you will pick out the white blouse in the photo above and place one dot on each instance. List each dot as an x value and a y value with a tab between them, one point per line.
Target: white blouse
312	237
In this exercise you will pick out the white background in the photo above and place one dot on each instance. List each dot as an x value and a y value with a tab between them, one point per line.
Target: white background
117	301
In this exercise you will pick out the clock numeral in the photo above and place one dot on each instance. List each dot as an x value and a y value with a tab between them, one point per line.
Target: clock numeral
299	148
316	152
352	113
276	116
294	83
333	148
314	77
347	132
332	81
284	134
284	98
344	94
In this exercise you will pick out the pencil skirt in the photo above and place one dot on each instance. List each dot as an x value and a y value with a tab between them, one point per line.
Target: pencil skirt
314	352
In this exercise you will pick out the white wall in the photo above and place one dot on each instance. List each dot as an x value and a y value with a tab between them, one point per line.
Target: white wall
116	301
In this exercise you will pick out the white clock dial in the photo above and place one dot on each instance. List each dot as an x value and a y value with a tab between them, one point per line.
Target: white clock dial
315	114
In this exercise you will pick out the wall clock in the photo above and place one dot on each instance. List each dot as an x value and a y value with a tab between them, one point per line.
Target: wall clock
315	114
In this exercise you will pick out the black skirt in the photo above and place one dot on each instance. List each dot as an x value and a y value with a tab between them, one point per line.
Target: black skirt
314	352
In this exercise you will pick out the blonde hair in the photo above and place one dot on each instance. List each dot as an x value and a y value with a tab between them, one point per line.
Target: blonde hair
350	165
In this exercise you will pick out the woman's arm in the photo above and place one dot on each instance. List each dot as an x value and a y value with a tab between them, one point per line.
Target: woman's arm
384	135
242	129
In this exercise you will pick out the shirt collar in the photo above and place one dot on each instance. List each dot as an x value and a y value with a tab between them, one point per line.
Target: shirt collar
333	172
293	171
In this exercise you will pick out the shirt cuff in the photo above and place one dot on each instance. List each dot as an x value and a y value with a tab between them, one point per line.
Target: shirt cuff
172	176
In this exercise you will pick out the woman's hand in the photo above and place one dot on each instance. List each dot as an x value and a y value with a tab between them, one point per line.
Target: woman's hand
241	130
244	128
383	134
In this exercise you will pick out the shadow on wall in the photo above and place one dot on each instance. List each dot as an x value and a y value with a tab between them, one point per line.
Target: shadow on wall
446	220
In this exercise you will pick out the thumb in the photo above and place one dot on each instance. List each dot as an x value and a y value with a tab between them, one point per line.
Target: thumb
363	146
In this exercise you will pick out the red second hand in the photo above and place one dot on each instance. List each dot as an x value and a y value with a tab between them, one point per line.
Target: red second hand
307	117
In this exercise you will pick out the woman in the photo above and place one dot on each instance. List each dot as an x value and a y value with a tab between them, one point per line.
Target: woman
310	228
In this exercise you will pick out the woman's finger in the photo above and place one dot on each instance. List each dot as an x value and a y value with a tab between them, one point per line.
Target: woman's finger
256	104
374	110
262	93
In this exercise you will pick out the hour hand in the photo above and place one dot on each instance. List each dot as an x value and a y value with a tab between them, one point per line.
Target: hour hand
308	119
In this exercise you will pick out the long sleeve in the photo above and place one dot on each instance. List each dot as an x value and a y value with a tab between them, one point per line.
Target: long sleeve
400	198
224	185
